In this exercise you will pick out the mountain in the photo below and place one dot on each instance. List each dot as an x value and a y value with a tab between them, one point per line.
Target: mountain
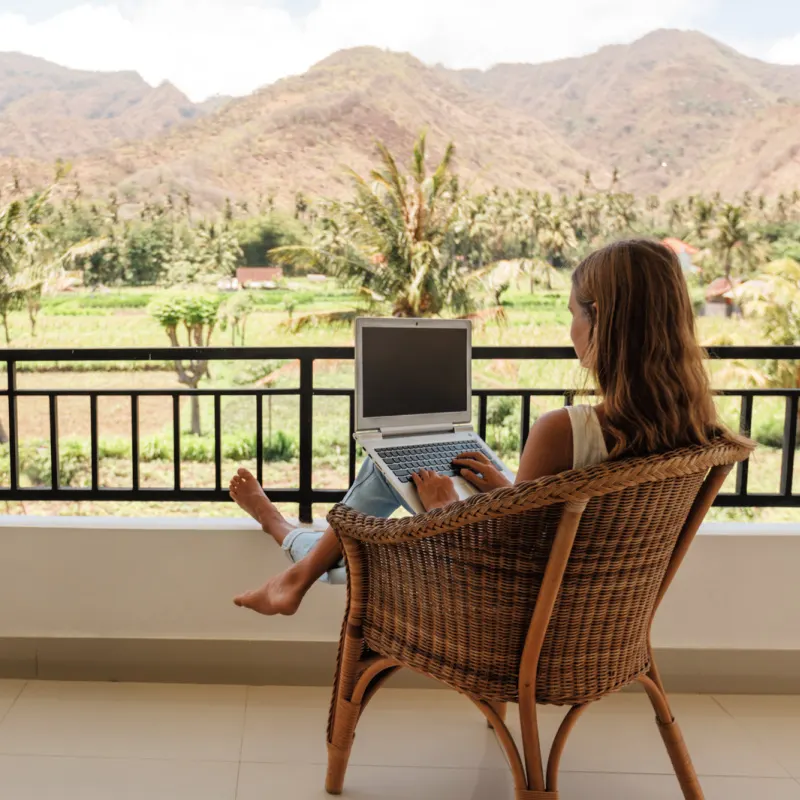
675	112
299	134
49	112
659	109
763	158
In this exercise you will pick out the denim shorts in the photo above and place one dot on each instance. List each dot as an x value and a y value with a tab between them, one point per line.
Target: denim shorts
371	494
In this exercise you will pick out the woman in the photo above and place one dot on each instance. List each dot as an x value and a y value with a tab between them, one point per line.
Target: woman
633	330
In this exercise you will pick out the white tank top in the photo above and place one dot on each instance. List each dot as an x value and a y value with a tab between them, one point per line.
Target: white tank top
588	444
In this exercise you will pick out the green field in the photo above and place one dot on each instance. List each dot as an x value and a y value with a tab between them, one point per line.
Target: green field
120	319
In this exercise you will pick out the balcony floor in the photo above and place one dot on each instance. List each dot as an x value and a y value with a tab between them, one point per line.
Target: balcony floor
109	741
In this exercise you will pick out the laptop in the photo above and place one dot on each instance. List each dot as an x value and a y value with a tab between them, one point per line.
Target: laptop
414	400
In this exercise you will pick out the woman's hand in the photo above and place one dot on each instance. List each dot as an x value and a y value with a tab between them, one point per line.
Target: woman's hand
435	491
480	472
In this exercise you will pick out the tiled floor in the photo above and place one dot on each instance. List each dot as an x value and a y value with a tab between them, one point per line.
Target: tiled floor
70	741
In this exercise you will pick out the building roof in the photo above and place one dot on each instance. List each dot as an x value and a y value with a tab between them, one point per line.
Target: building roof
720	287
257	274
680	247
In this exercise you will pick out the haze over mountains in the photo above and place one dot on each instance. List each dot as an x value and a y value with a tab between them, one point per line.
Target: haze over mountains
675	112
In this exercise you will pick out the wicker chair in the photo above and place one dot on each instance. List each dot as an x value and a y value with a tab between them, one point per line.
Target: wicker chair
540	593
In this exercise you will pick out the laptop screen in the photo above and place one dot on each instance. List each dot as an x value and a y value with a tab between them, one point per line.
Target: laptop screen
410	371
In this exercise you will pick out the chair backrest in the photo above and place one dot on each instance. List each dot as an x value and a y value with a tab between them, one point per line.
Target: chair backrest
452	593
597	639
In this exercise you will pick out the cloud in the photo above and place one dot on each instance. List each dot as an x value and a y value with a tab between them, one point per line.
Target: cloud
210	47
786	51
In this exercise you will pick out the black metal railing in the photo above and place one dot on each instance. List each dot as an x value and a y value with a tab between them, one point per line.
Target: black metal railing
305	494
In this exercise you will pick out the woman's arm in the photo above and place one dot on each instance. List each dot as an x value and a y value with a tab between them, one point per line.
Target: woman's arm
548	450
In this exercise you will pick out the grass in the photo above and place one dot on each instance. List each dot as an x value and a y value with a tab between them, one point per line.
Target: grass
539	319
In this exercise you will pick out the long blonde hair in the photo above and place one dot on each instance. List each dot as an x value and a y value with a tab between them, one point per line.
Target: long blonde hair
643	351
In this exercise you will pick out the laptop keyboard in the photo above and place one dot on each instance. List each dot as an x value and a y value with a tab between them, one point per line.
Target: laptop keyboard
437	457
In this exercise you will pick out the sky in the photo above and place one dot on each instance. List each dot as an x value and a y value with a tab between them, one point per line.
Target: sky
232	47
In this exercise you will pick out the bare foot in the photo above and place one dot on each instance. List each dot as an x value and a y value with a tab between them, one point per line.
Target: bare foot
281	594
249	495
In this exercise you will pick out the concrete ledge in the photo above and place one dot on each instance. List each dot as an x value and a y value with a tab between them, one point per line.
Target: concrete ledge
296	663
150	600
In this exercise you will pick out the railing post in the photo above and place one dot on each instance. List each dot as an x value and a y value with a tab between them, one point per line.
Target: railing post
135	442
745	424
306	437
260	439
789	444
218	442
483	404
94	442
351	441
176	439
13	439
525	421
55	461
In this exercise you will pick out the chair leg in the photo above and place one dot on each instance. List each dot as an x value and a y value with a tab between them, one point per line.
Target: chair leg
346	714
673	739
564	730
502	712
340	744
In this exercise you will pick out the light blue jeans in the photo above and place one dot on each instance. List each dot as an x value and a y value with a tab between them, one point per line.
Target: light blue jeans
371	494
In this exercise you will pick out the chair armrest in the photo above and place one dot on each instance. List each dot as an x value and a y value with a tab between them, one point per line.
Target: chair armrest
573	486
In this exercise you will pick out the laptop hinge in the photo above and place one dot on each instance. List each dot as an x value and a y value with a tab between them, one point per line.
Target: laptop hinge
463	427
413	430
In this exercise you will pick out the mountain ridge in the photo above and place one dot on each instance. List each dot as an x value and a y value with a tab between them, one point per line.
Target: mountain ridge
674	112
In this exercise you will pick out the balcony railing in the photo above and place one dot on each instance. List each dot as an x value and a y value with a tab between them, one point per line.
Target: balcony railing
305	494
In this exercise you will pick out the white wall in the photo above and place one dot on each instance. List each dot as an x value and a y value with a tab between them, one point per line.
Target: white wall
146	578
163	578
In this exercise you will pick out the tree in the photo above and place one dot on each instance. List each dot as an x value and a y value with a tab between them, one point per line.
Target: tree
258	235
652	204
218	251
300	205
397	237
676	212
622	212
181	259
734	242
702	219
30	257
556	236
197	315
14	241
234	313
774	297
148	247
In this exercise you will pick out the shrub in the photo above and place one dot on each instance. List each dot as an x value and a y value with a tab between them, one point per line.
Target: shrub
197	448
155	448
113	448
74	462
282	447
235	447
769	432
238	447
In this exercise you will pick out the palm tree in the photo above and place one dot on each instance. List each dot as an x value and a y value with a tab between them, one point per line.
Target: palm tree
702	218
676	211
556	236
397	236
218	250
652	204
14	241
734	241
622	211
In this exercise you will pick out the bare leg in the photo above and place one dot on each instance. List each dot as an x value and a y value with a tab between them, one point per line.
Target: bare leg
283	593
249	495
